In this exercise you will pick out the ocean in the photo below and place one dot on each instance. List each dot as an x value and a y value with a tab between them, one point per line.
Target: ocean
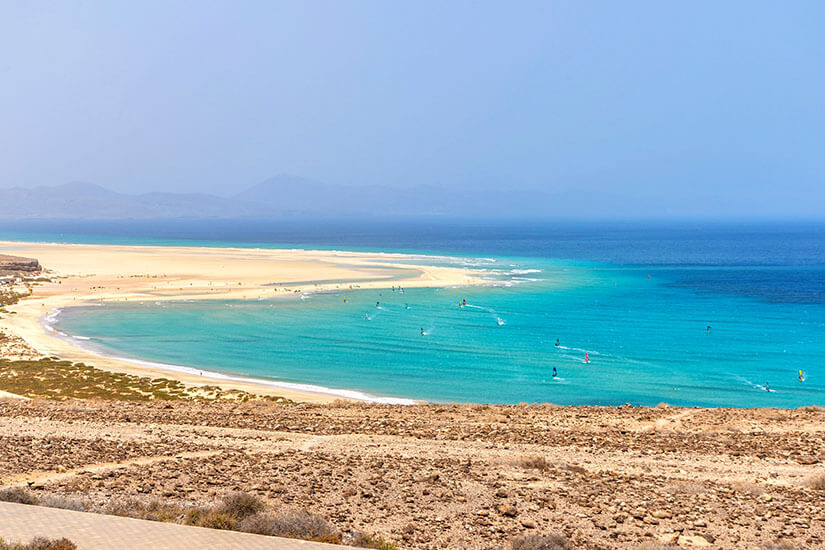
694	314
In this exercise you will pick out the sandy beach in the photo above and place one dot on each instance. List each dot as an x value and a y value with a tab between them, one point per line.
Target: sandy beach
92	274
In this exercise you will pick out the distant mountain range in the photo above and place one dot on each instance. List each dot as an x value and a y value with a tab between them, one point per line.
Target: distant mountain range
291	197
279	197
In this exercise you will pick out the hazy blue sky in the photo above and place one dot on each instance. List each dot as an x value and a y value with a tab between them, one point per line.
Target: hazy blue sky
690	99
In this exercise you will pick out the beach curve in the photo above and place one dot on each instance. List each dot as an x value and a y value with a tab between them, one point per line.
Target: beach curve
84	274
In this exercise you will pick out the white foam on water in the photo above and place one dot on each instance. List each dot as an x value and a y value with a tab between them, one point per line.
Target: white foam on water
756	386
589	352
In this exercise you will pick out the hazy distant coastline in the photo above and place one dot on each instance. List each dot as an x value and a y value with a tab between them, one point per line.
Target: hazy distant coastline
279	197
287	197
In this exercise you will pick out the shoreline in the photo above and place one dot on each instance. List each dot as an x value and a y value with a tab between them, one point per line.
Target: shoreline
86	275
227	377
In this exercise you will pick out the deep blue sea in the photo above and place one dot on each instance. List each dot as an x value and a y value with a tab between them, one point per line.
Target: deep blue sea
685	313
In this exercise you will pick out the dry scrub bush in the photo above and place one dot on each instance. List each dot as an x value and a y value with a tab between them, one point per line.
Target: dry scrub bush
40	543
217	520
375	542
574	468
153	509
63	502
226	514
240	505
541	542
687	488
534	463
18	495
817	482
295	524
744	487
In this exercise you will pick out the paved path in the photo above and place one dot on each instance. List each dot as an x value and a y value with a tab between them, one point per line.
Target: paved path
21	523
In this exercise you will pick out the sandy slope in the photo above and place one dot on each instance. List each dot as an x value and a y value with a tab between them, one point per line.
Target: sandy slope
435	476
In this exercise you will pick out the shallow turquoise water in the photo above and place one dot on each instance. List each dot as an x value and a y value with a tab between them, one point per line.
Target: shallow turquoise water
644	328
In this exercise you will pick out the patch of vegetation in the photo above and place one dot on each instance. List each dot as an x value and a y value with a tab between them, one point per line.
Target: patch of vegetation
541	542
534	463
294	524
576	469
216	520
373	541
747	488
56	379
817	482
152	509
40	543
240	505
236	511
8	298
18	495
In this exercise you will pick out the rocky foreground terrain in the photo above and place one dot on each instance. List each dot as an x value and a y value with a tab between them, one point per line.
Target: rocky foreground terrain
435	476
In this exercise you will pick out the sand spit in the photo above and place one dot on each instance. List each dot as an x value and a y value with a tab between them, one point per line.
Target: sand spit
93	274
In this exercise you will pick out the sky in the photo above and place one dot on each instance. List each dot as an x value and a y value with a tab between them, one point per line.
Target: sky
683	102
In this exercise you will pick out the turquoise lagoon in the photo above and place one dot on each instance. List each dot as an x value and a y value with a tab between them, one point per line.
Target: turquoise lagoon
644	328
